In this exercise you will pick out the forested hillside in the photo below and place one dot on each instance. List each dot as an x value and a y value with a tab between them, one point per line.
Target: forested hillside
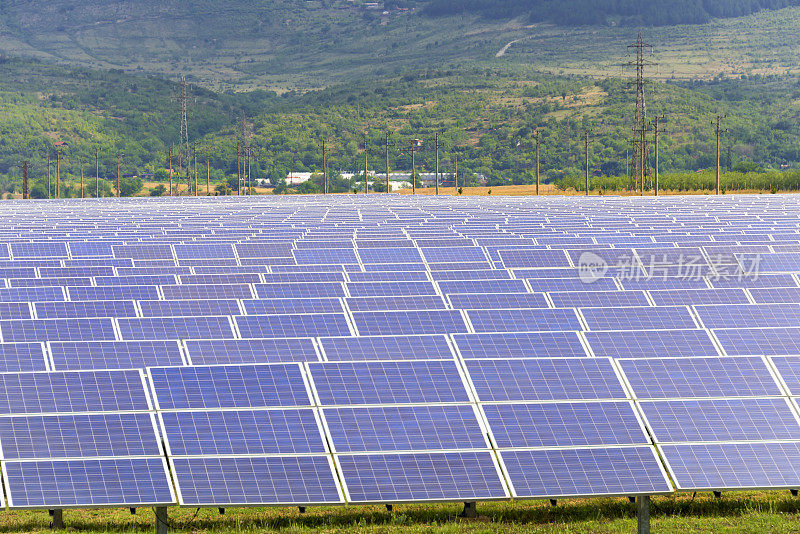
604	12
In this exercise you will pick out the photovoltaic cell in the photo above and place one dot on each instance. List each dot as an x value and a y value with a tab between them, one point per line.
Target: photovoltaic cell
229	386
749	315
386	348
210	291
297	325
383	289
112	293
32	294
162	328
188	308
651	344
396	303
654	318
449	287
21	331
545	379
236	351
409	322
498	301
526	320
18	357
114	354
759	341
300	290
584	299
292	306
520	345
85	309
521	258
789	370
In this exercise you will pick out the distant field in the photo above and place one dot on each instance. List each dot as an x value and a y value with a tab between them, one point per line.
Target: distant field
756	513
549	189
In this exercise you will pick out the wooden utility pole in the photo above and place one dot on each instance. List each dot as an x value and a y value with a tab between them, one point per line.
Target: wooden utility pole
195	168
437	163
25	192
413	167
587	163
208	173
656	132
718	123
58	173
387	163
169	163
366	180
455	175
537	162
82	194
97	173
49	164
324	168
119	171
238	167
249	169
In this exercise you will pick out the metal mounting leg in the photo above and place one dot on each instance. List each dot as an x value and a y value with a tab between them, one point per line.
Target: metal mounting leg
553	502
470	510
301	509
718	494
162	521
643	514
793	492
58	518
388	507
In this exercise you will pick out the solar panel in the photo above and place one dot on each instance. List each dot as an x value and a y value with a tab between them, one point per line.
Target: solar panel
776	295
409	322
114	354
759	341
607	471
404	428
42	249
57	283
111	293
297	325
212	291
203	251
487	274
547	285
229	386
312	256
226	278
654	318
526	320
762	280
677	421
388	276
749	315
17	357
386	348
188	308
651	343
67	272
263	250
390	255
291	306
143	252
235	351
242	432
716	466
788	368
163	328
430	476
23	331
662	283
32	294
520	345
85	309
521	258
450	287
300	290
491	301
690	297
15	310
273	480
78	436
129	482
72	391
388	382
139	280
743	376
384	289
585	299
543	379
396	303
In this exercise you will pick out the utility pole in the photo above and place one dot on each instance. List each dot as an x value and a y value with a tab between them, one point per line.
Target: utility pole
58	173
49	164
238	166
195	168
119	166
249	168
437	163
82	194
656	131
718	124
169	163
387	163
455	177
25	193
366	180
208	173
97	173
537	162
587	163
324	168
413	167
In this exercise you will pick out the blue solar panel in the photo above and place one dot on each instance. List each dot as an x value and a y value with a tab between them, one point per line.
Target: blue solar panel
678	421
242	432
487	274
763	280
662	283
298	325
226	278
584	472
699	377
67	272
690	297
665	318
396	303
263	250
498	301
384	289
521	258
547	285
32	294
233	351
231	481
545	379
717	466
404	428
65	392
409	322
291	306
651	344
143	252
584	299
520	345
229	386
14	310
390	255
530	320
114	354
57	283
85	309
17	357
188	308
159	328
300	290
112	293
21	331
139	280
90	248
204	251
759	341
210	291
78	436
130	482
449	287
453	254
386	348
378	382
773	295
388	276
323	256
749	315
564	424
789	370
451	476
43	249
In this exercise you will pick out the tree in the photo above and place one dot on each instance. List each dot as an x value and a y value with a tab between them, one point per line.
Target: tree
158	190
130	186
308	188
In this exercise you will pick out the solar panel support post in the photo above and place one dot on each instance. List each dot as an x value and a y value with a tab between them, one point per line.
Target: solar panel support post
643	514
58	518
470	510
162	521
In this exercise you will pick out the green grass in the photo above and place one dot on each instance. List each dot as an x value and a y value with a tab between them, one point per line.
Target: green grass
762	512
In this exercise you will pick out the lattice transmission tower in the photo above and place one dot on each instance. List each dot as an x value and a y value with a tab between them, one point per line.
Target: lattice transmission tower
640	170
184	153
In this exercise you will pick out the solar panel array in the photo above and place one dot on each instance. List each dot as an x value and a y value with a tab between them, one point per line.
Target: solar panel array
374	349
